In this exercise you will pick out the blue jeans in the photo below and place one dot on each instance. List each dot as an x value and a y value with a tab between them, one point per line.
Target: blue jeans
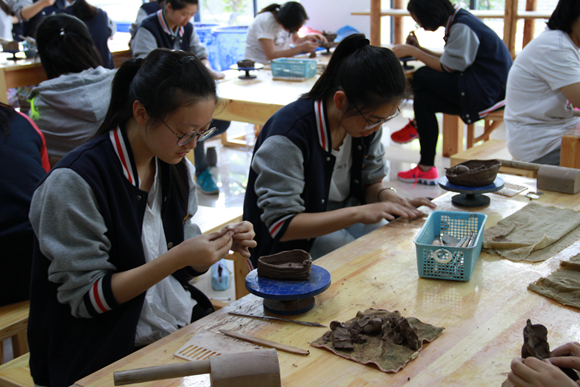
199	151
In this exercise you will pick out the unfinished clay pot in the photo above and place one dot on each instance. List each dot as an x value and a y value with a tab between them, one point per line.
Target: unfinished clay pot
473	173
292	265
246	64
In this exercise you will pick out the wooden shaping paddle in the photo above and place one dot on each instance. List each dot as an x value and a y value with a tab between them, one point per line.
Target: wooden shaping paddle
265	343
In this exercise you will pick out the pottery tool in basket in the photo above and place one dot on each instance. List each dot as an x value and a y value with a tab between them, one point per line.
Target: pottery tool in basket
255	369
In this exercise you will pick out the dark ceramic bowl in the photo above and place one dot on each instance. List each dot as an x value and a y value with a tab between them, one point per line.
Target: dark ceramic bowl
287	265
473	173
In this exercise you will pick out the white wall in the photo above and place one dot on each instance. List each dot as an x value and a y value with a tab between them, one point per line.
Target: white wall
330	15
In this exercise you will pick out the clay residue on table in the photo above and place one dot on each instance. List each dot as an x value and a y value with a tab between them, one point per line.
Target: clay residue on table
377	336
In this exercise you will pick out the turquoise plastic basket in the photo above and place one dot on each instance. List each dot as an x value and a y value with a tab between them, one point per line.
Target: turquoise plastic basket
445	262
293	68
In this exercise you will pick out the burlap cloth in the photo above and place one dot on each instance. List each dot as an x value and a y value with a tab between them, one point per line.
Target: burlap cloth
534	233
386	355
563	285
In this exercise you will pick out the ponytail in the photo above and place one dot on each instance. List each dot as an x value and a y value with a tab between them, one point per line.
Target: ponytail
369	76
274	8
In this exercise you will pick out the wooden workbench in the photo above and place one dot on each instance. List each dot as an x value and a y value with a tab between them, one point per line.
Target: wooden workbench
483	318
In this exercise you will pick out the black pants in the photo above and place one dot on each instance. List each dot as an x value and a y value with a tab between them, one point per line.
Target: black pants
15	267
434	92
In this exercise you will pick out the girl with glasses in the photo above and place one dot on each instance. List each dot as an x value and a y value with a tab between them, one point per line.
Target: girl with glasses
468	79
316	177
275	29
116	245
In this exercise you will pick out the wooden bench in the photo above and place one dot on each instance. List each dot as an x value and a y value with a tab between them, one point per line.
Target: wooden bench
13	323
492	149
16	373
491	122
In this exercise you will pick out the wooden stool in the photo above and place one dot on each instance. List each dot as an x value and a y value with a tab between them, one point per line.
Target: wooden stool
13	324
16	373
491	122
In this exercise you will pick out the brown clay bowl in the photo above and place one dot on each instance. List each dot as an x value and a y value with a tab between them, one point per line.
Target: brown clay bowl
292	265
473	173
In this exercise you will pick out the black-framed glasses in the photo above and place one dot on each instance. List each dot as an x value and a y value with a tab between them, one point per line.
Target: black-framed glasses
371	125
182	140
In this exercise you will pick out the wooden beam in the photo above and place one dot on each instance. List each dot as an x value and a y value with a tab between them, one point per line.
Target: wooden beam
510	25
398	25
375	22
529	24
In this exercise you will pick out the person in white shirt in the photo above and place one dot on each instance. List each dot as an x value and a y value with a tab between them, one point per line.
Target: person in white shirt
544	87
275	29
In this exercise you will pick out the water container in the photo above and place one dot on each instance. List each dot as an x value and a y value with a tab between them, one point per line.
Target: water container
203	30
231	44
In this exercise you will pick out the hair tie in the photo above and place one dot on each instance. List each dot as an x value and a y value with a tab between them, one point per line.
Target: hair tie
62	31
361	43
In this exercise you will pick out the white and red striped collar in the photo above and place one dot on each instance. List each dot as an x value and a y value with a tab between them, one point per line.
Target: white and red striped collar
450	21
166	29
121	147
321	126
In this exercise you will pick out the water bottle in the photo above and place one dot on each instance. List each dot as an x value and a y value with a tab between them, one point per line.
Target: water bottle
220	275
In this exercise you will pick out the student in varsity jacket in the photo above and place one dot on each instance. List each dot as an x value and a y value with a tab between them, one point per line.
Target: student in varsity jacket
170	28
115	245
468	79
316	177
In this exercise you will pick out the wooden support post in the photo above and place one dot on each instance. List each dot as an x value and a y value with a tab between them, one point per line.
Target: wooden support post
375	22
570	153
529	24
398	24
452	135
510	25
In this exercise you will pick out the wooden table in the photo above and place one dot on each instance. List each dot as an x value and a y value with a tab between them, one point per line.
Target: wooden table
484	317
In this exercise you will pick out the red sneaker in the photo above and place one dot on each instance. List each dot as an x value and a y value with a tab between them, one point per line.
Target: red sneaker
405	135
417	175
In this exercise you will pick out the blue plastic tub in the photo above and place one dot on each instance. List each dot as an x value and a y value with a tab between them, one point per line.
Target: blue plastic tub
203	30
446	262
293	68
231	45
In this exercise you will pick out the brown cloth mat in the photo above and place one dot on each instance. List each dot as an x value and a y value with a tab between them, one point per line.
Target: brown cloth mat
534	233
382	352
563	285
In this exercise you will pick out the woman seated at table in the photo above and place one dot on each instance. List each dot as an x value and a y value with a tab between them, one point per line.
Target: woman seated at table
25	162
468	79
316	177
100	26
71	105
170	28
145	10
544	87
116	245
274	29
532	372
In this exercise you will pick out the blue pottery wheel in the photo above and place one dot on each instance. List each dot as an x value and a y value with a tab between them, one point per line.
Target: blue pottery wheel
288	297
471	196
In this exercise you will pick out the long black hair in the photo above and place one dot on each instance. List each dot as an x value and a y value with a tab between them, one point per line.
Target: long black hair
162	82
369	76
291	15
180	4
84	10
65	46
431	14
564	16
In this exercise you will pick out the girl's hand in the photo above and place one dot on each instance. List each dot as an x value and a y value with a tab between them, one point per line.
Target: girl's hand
532	372
412	39
308	46
403	50
203	251
394	197
317	38
373	213
243	237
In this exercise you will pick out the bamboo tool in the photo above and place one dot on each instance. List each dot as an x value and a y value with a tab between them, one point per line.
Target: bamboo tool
252	369
265	343
270	318
550	177
206	344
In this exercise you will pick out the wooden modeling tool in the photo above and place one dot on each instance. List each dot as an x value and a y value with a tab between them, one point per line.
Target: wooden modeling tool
265	343
270	318
550	177
251	369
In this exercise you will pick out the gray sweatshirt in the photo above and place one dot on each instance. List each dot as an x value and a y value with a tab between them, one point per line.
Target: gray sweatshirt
69	109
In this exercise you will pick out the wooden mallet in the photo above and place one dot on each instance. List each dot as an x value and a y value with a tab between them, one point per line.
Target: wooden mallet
258	368
550	177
